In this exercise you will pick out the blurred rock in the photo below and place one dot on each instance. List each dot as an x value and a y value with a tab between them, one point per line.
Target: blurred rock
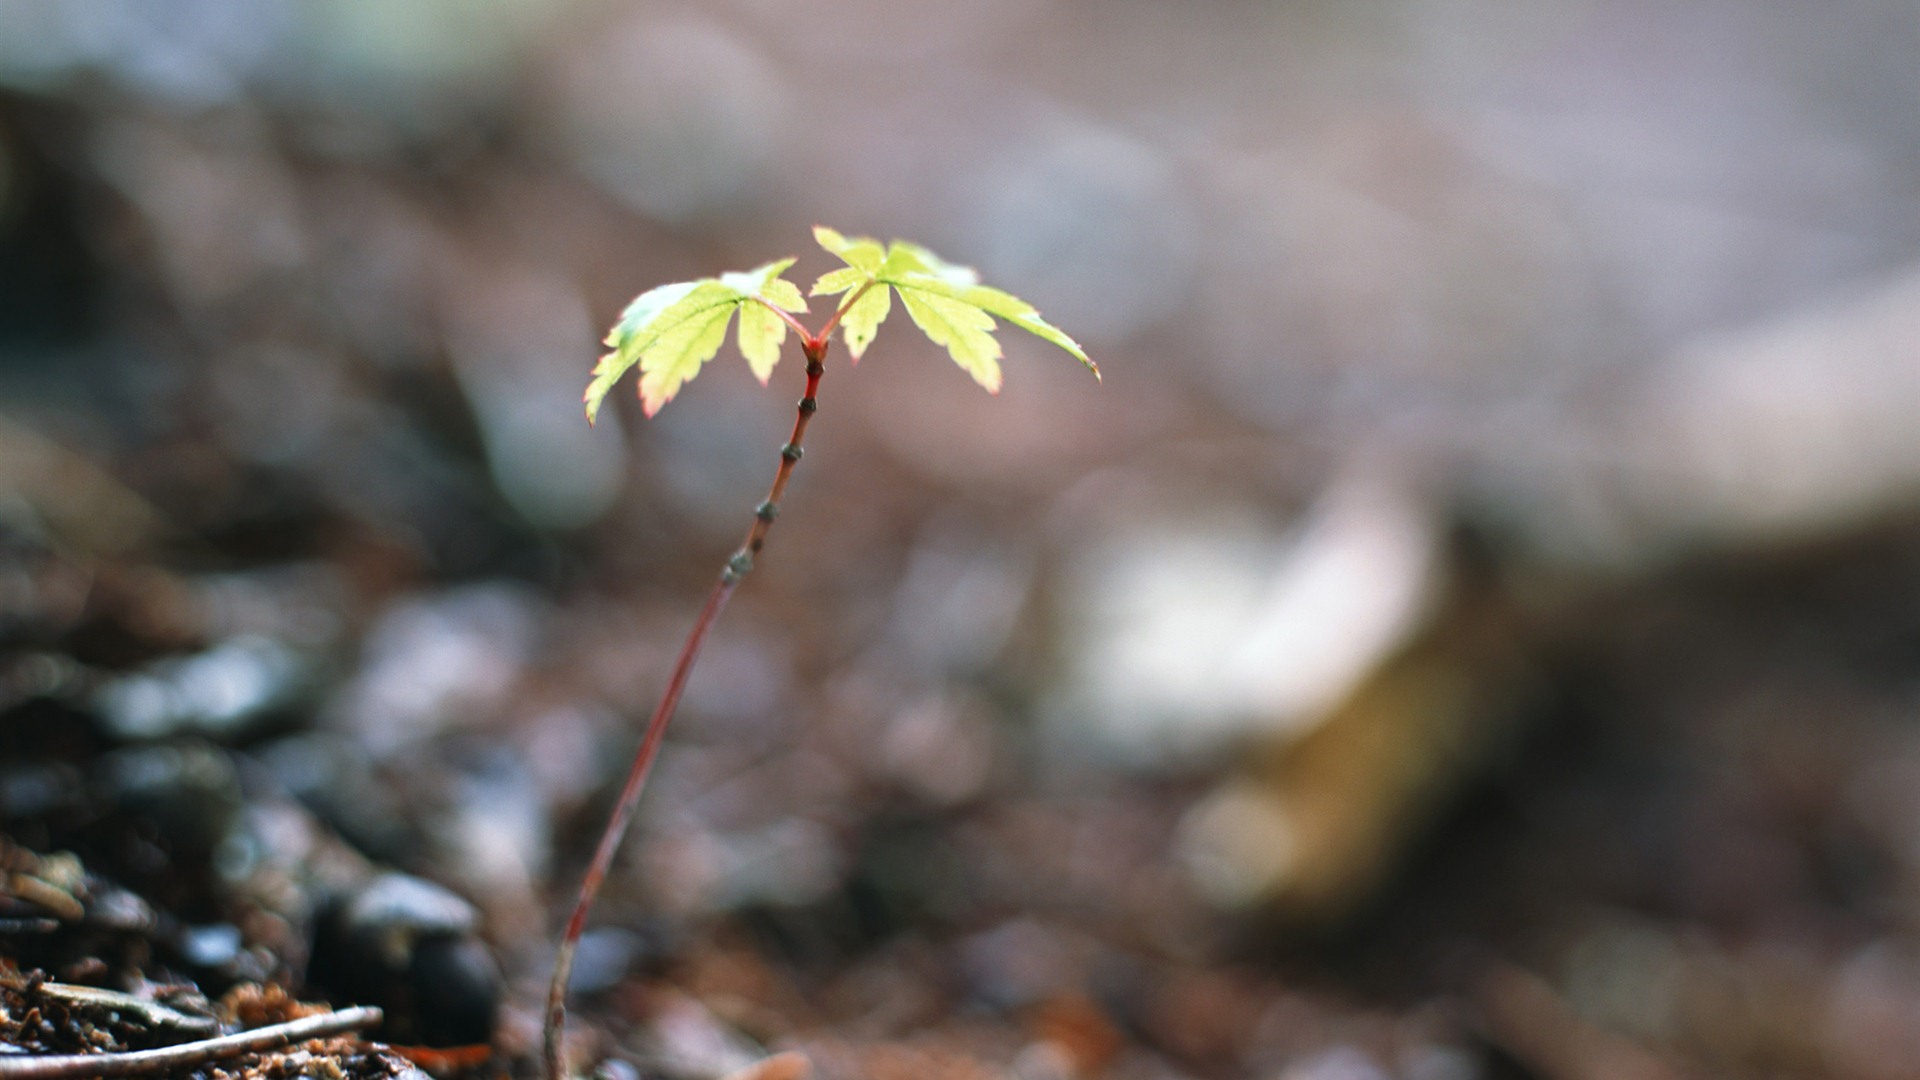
188	795
213	947
1319	820
185	183
615	1069
1433	1062
601	961
300	605
331	778
494	839
198	56
1015	965
209	53
217	693
1389	663
432	661
691	1042
408	946
787	863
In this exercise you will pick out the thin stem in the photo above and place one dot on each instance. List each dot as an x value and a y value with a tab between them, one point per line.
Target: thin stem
841	312
186	1055
737	568
785	316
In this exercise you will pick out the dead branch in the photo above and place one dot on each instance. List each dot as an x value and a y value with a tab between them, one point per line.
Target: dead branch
146	1062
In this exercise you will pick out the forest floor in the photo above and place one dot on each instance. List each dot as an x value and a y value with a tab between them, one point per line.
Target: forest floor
298	704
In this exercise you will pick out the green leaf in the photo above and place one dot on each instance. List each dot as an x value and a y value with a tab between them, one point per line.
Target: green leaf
839	281
1019	313
765	282
676	356
864	254
864	317
904	257
946	300
965	331
672	330
761	335
784	295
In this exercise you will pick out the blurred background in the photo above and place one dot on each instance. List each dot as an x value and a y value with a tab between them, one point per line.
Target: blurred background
1474	631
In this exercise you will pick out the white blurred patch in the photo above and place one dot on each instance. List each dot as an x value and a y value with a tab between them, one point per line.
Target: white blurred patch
216	691
1338	1063
1783	430
1190	634
1792	427
430	663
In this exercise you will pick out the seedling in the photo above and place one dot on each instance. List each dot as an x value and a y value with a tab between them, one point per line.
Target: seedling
670	331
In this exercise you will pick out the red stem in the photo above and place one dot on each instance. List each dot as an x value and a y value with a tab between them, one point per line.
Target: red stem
815	347
785	317
841	312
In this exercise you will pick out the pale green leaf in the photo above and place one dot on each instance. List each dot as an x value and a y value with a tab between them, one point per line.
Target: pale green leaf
945	299
839	281
648	306
674	357
761	331
765	282
905	257
605	374
862	253
962	328
784	295
672	330
870	304
634	338
649	315
761	334
863	319
1016	311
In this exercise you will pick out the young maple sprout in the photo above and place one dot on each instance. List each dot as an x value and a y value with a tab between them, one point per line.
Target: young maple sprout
670	331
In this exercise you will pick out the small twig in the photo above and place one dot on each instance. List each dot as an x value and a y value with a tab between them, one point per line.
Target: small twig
145	1062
